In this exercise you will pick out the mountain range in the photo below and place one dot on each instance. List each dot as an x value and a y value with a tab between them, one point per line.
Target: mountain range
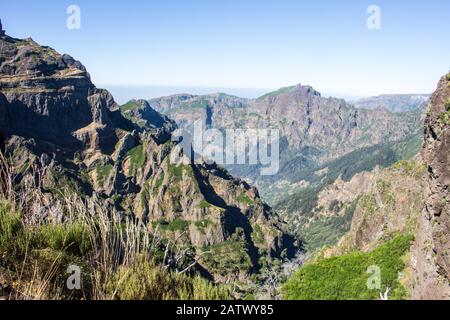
321	140
52	116
360	184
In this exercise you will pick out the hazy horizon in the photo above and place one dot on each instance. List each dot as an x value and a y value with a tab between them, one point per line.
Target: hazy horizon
123	94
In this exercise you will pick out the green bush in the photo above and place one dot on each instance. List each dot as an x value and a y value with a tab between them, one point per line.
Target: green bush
345	277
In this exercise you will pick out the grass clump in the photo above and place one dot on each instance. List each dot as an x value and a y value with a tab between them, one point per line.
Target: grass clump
158	184
73	238
13	235
257	234
146	281
346	277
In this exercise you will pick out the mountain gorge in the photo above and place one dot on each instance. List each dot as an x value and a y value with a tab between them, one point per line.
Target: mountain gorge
322	140
53	118
313	130
360	184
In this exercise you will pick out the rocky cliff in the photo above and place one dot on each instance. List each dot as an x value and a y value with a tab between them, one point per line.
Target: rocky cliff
409	198
52	116
432	251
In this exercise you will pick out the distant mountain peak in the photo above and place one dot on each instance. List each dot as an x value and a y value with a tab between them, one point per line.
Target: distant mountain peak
303	90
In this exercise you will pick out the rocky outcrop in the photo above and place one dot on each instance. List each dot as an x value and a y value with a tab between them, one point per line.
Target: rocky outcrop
52	116
433	248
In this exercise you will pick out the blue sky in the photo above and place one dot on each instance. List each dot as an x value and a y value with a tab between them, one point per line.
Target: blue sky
247	43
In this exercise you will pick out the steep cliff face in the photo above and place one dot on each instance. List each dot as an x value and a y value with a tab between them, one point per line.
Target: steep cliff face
433	247
52	116
50	98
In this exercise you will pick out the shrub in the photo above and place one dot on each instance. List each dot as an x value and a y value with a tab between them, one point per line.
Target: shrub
229	257
345	277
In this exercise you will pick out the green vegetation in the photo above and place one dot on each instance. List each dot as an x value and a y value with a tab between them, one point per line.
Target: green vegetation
204	204
74	238
277	92
327	231
158	184
13	236
444	118
346	277
410	167
229	257
146	281
35	258
130	105
257	234
137	159
173	226
16	238
176	171
189	106
243	198
203	224
103	172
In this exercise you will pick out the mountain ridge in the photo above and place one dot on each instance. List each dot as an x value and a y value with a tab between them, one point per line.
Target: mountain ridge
56	119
